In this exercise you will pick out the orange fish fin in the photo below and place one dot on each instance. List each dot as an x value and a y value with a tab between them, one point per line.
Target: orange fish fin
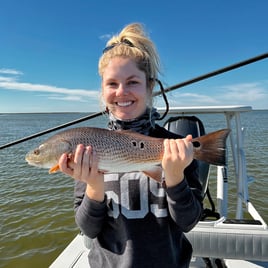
103	171
54	169
154	173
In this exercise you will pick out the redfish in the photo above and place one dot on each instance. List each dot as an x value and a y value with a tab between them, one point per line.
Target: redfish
122	151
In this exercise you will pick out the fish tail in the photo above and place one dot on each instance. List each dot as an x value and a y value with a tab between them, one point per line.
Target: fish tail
211	148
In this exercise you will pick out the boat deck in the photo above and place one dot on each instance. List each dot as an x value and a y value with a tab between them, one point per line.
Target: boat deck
75	256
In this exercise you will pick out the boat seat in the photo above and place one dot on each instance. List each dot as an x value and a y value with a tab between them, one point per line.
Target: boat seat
240	239
184	125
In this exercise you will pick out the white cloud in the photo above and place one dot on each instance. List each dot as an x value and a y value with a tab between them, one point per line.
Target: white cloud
6	79
10	71
199	98
67	98
192	99
105	37
11	83
14	85
245	92
254	94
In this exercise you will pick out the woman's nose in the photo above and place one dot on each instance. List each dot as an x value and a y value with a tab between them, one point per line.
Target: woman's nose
122	90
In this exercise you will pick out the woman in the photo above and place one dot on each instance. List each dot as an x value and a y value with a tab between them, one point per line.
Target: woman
133	220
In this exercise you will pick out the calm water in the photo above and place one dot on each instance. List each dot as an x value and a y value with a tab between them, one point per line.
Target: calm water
36	209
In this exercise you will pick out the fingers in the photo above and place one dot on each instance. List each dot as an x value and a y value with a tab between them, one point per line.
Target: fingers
94	163
78	160
167	147
175	147
189	138
178	154
89	162
64	166
81	164
179	149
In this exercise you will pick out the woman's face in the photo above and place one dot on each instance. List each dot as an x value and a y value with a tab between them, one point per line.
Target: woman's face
124	89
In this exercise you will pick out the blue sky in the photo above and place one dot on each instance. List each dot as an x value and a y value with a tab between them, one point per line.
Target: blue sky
49	50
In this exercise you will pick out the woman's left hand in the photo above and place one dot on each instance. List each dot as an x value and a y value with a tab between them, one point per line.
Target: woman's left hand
178	154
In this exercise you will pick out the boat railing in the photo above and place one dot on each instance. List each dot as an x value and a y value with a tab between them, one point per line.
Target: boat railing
224	237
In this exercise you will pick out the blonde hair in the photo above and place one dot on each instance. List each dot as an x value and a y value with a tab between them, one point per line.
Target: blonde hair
132	42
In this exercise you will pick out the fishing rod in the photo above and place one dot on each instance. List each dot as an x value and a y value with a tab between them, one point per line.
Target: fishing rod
91	116
166	90
214	73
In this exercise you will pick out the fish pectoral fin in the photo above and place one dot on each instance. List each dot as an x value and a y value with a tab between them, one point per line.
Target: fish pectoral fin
154	173
103	171
54	169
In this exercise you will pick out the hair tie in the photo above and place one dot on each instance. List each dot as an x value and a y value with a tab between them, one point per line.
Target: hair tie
124	42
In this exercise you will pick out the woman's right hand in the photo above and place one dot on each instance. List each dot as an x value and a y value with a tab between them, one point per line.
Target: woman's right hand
83	166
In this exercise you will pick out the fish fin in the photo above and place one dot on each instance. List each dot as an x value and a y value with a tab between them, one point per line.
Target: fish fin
211	148
103	171
54	169
154	173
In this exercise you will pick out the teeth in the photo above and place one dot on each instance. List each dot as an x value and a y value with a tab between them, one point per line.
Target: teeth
124	104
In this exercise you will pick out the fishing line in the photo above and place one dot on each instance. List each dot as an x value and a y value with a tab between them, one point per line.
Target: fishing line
164	97
162	91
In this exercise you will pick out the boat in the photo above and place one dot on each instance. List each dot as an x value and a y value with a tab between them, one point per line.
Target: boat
241	241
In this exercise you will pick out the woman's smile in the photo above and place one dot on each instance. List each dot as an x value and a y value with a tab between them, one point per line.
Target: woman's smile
124	104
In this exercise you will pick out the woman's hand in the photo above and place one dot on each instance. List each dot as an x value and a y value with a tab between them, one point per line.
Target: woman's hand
83	166
178	154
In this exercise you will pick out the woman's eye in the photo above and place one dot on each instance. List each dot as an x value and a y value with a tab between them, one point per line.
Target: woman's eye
112	84
133	82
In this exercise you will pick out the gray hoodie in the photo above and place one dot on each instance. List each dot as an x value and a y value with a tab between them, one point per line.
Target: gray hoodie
140	223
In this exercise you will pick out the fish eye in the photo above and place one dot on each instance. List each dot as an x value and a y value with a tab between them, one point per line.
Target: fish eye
36	151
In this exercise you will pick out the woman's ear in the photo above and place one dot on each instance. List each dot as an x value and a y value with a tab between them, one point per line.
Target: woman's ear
151	84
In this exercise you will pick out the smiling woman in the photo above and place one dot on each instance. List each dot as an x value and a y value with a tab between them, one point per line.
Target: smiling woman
128	68
114	209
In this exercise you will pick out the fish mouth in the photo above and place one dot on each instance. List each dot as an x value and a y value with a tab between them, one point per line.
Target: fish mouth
32	162
39	164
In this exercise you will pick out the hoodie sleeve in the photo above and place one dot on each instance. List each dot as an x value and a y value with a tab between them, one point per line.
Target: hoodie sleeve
89	214
185	200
